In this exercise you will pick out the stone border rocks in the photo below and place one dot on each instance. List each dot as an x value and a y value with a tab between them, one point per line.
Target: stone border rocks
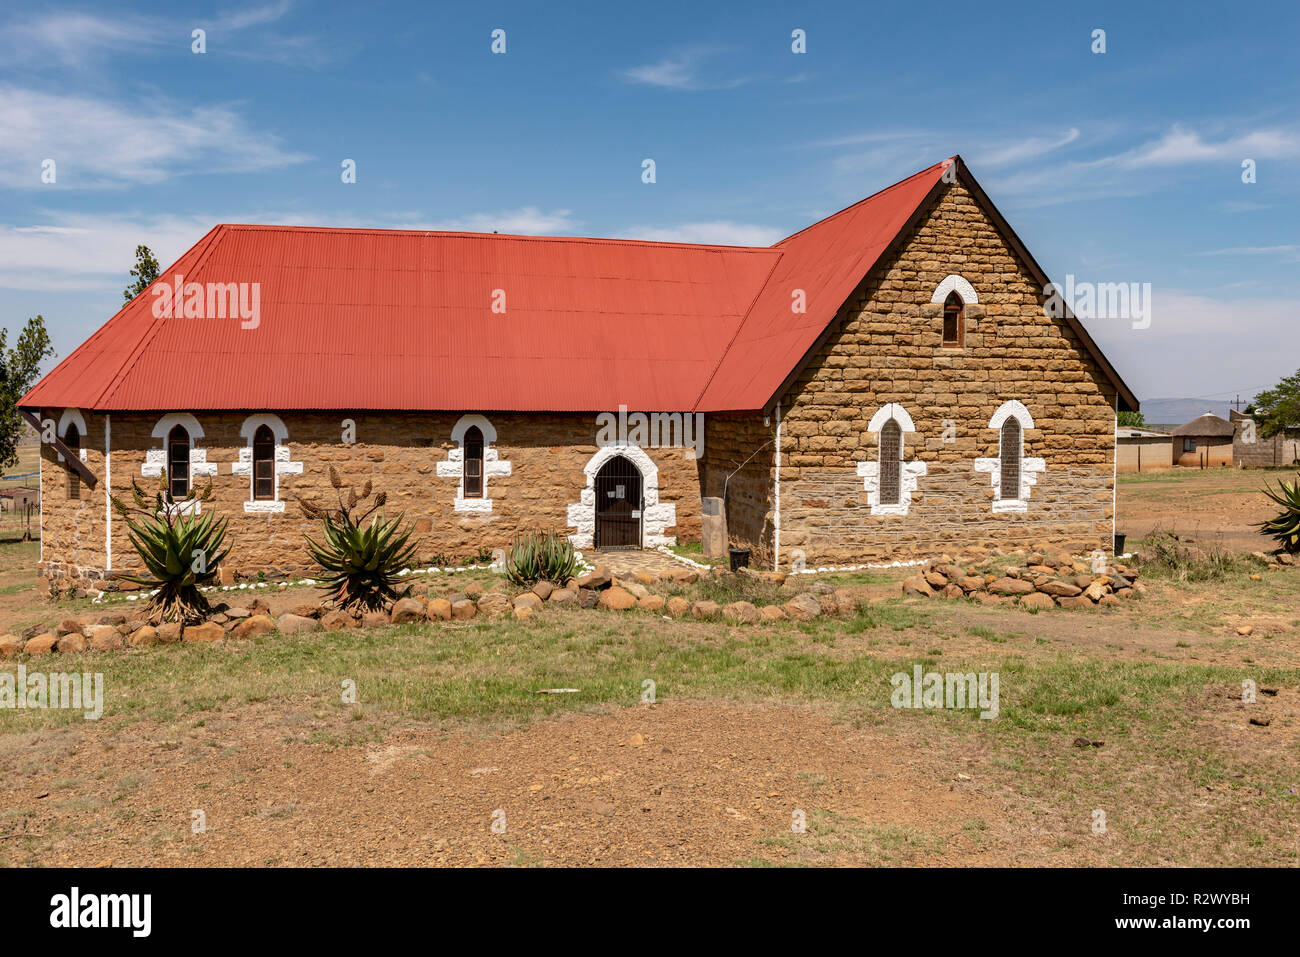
1045	581
597	589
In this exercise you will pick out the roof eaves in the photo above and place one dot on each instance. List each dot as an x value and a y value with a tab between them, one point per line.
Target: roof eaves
207	244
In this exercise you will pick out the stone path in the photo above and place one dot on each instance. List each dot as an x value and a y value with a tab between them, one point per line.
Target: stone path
624	564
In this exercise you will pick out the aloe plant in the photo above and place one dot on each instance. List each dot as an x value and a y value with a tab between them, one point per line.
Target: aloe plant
179	549
540	556
1285	527
360	559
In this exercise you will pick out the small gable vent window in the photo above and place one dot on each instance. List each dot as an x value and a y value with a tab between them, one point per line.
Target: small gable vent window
952	321
178	461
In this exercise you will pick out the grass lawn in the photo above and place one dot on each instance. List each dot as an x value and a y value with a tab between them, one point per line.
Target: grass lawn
1180	776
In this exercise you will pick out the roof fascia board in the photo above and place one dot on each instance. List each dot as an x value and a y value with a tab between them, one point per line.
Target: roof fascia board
70	458
1128	399
836	321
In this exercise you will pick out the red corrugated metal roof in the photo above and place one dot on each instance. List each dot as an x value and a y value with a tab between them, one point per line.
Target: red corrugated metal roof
382	319
392	319
826	261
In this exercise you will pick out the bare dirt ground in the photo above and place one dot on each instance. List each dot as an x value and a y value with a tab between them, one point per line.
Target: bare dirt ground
671	784
1212	506
753	724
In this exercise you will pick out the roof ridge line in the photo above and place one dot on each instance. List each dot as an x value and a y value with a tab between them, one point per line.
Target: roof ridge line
865	271
879	192
116	382
780	254
611	240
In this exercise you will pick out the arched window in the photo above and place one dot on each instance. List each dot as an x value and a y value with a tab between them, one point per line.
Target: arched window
72	439
953	331
1010	457
891	462
178	461
263	464
473	475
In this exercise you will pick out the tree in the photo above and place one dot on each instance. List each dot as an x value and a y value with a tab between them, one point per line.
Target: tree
1278	409
146	271
1132	420
19	368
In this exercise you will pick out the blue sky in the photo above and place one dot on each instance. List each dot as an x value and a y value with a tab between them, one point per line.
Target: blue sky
1123	166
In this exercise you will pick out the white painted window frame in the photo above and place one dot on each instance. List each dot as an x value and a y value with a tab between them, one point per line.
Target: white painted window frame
453	466
656	517
71	417
1029	467
283	463
957	284
155	459
909	473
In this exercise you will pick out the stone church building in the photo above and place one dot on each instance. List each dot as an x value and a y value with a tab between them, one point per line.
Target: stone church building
887	384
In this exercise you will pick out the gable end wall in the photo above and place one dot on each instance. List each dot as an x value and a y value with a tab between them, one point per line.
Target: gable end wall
888	349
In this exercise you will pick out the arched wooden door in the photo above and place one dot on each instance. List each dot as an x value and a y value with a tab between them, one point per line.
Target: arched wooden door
618	504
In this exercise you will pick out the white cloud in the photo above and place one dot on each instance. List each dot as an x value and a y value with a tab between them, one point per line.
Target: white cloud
525	221
96	143
1023	150
1199	345
79	40
82	252
74	38
682	72
717	232
94	252
1288	251
1180	147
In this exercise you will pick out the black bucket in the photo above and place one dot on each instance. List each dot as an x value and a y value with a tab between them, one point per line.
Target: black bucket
739	558
1119	543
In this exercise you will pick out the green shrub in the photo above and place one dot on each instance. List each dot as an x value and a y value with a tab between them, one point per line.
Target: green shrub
360	560
1174	559
1285	527
541	556
180	550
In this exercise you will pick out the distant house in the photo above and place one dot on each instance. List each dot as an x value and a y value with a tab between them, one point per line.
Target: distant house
1204	442
1252	450
1142	450
19	498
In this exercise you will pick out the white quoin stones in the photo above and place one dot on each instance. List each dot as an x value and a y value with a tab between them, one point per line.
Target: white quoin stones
283	463
453	466
1012	500
909	472
656	517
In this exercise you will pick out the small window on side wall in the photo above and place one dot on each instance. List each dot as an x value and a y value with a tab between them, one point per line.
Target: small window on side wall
891	462
473	475
263	464
1010	452
178	461
953	331
72	439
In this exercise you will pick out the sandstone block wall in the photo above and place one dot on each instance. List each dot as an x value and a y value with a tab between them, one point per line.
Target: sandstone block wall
398	452
888	349
741	447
